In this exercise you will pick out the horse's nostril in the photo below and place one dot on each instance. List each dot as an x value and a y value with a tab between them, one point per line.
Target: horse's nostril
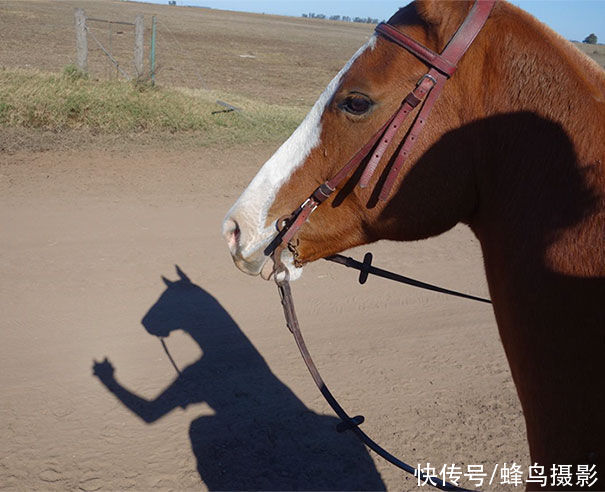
231	233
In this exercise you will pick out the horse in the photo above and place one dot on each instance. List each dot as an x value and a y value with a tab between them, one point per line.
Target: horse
514	149
261	436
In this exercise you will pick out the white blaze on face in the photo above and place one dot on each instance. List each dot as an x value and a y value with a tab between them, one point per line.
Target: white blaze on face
245	227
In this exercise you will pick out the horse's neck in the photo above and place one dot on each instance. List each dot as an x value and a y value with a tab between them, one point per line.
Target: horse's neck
546	133
541	185
537	70
540	219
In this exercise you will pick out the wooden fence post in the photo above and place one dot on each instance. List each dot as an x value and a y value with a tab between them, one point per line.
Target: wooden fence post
81	41
152	51
139	28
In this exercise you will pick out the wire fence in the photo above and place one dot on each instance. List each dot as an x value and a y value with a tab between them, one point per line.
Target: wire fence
105	47
107	51
169	43
110	55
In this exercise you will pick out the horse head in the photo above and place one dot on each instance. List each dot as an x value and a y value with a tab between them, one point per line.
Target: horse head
354	106
169	313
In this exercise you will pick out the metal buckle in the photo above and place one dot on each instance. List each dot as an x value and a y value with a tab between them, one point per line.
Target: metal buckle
282	222
304	204
427	76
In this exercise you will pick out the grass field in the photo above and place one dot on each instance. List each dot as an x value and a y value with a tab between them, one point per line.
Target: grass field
595	51
45	101
285	60
272	67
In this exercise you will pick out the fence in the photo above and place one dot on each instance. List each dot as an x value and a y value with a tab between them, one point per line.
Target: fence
109	43
86	28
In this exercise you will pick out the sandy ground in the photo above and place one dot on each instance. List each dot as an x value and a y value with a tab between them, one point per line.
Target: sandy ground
86	238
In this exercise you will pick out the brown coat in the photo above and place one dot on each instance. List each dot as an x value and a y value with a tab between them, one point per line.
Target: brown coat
515	148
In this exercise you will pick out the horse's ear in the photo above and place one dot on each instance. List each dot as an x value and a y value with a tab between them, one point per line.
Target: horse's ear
429	10
183	276
168	283
437	12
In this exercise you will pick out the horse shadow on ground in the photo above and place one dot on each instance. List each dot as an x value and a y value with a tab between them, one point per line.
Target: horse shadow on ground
262	437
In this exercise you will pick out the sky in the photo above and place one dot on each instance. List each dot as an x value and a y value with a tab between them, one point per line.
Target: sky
573	19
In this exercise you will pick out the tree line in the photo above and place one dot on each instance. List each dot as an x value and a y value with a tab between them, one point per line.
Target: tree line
344	18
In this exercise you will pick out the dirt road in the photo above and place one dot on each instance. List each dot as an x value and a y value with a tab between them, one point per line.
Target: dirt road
86	239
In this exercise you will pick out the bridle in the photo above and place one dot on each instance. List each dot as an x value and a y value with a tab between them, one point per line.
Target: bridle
427	90
425	94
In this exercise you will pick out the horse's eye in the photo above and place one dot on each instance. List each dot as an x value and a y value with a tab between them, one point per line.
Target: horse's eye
356	104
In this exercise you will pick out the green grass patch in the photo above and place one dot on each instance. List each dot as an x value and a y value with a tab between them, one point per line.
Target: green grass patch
59	102
74	73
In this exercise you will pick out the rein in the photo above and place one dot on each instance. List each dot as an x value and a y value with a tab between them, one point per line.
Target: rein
425	94
346	422
365	268
176	368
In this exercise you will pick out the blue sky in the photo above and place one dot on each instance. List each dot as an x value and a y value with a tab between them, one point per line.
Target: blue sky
574	19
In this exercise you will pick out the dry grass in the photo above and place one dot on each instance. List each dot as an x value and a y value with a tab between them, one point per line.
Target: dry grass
286	65
62	103
595	51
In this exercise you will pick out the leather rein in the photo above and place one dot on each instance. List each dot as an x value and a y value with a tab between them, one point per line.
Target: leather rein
425	94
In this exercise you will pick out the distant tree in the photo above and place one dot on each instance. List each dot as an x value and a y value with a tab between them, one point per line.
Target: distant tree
344	18
591	39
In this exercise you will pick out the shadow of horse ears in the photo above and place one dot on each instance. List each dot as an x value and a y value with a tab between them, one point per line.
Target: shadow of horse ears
169	283
183	276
